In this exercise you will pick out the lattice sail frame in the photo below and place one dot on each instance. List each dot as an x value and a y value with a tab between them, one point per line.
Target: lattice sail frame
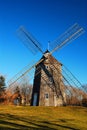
68	36
29	40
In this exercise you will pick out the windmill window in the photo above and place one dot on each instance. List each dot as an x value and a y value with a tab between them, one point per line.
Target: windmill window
51	80
47	66
46	96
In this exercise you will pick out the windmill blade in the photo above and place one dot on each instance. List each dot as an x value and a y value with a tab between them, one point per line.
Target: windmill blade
70	81
71	78
71	34
29	40
19	80
28	69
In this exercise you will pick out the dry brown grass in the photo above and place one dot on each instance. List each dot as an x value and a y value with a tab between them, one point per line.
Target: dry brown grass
39	118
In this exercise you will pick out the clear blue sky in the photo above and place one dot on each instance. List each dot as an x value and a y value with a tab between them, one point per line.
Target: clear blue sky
46	20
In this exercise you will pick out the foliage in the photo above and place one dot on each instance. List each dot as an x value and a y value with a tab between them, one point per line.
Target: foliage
84	102
2	83
2	89
85	87
19	93
40	118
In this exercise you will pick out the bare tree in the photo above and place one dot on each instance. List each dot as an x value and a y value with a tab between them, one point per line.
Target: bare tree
26	91
85	87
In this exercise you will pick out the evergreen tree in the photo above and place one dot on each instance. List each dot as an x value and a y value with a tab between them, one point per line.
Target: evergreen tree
2	84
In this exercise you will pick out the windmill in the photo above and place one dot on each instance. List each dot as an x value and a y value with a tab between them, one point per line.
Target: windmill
48	86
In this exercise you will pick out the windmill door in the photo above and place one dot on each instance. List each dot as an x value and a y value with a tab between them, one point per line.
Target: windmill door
35	99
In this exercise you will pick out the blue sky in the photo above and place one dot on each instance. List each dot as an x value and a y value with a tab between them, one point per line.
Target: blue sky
46	20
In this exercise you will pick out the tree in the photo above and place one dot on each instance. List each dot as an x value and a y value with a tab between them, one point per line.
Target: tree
2	84
84	102
17	96
20	92
85	87
2	88
26	90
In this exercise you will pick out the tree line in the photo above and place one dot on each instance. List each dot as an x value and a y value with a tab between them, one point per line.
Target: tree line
20	94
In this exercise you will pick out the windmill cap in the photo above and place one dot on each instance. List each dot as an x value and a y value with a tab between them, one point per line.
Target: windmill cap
46	51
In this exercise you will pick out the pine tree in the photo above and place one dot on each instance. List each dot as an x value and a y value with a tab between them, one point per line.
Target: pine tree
2	84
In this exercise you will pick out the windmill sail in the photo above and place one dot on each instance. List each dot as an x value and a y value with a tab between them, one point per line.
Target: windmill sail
71	34
29	40
29	69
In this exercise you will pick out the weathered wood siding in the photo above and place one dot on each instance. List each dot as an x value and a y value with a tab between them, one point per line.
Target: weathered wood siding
48	83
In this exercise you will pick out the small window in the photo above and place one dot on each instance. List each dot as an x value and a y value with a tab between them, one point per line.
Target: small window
47	66
46	96
51	80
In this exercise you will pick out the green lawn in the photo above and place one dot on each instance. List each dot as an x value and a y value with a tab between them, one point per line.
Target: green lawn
40	118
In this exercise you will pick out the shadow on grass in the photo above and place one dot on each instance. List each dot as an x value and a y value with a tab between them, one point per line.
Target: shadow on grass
9	122
61	126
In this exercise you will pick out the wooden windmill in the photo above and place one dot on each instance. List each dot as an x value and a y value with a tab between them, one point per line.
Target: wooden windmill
48	85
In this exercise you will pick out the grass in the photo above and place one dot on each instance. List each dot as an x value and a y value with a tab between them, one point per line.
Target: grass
43	118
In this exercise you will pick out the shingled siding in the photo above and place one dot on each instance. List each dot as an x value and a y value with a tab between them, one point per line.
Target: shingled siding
48	84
